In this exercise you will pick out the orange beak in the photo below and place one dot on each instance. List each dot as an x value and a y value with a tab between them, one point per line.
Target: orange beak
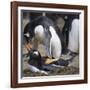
28	46
50	60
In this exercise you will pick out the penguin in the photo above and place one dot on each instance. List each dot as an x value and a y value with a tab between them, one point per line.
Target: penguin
44	31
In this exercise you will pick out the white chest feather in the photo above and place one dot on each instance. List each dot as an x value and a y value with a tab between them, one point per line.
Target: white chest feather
39	33
55	43
74	36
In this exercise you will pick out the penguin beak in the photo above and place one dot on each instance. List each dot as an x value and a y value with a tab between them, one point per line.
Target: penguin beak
28	46
50	60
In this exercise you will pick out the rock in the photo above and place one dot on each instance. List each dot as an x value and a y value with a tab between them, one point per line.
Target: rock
75	62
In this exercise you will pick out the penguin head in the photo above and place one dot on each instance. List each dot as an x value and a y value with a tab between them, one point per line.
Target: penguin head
35	59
